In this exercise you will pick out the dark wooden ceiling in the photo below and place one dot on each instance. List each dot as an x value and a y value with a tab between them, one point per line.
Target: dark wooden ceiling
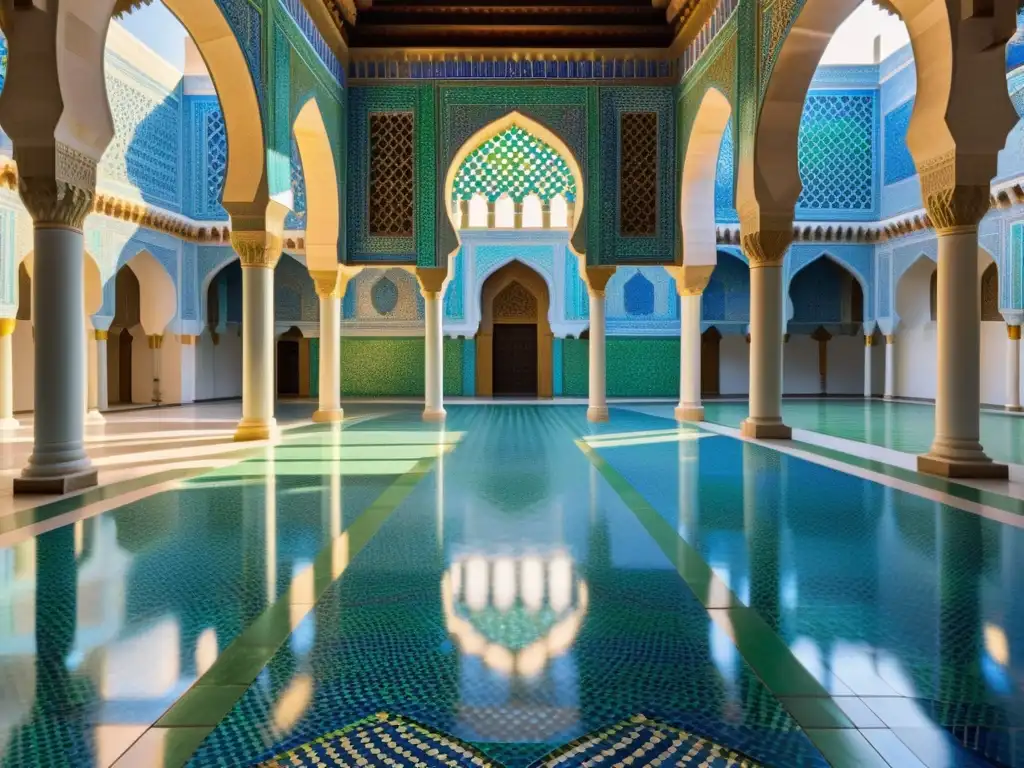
511	24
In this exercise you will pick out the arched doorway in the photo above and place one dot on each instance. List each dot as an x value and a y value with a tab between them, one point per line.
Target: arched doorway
288	363
513	344
127	315
710	362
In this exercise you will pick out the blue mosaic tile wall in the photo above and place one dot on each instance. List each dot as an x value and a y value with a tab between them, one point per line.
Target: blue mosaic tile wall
205	158
899	164
725	208
727	297
839	140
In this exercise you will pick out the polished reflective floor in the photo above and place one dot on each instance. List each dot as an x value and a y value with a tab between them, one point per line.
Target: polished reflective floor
516	587
901	426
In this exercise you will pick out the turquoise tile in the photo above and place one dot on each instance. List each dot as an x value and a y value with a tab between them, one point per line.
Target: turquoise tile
845	748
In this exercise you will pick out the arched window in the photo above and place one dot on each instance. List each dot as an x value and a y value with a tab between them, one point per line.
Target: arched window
504	212
638	295
478	211
559	212
933	295
533	214
990	295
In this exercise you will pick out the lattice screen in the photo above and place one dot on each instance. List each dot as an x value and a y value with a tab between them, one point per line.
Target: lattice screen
391	174
638	174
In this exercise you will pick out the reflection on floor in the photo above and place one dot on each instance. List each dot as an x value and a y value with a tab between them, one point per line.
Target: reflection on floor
515	588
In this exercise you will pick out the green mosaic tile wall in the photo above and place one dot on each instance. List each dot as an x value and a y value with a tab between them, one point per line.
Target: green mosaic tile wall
387	367
636	367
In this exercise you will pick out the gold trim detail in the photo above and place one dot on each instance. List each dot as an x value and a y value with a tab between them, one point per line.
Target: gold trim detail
1013	331
7	325
187	340
101	335
156	341
869	340
890	338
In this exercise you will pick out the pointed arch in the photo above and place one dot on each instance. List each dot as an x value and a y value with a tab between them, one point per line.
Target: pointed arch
915	292
700	171
323	204
823	264
245	179
157	294
537	131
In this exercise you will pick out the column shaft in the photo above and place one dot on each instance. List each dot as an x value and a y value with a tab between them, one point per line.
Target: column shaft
58	463
102	396
890	366
765	419
7	420
257	353
330	360
690	407
434	362
956	450
1013	368
597	403
869	340
156	343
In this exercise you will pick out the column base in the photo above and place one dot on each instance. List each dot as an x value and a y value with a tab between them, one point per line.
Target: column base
597	413
433	415
58	485
249	430
93	416
765	430
8	424
1015	408
888	397
329	415
689	413
942	466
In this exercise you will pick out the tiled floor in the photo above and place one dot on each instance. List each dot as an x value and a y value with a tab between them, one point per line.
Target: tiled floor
506	585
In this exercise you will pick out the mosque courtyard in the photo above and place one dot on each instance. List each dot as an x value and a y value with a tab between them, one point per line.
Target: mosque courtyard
516	586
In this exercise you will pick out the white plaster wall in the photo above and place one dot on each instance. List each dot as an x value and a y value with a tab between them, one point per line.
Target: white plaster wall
846	365
800	366
23	351
734	365
142	367
993	363
218	368
177	380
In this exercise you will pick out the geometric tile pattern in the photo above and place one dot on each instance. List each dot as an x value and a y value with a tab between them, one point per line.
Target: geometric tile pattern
725	209
378	740
638	177
899	163
515	163
391	173
837	141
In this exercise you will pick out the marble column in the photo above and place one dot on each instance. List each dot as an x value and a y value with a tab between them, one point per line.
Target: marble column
597	404
432	285
956	450
156	345
690	283
1013	368
890	366
331	290
7	420
766	322
869	345
102	391
58	463
259	253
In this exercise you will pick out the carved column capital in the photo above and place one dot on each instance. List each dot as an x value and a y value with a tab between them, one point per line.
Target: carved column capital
257	249
329	284
432	281
691	280
597	278
953	207
57	190
766	247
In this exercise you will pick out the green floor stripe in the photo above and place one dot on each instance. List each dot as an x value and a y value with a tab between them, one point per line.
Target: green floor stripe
951	488
758	644
214	694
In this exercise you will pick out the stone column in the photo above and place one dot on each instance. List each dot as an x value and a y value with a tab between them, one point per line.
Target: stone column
765	252
102	391
7	420
1013	369
869	345
58	463
92	372
331	289
597	404
156	344
432	285
890	366
690	282
259	253
956	450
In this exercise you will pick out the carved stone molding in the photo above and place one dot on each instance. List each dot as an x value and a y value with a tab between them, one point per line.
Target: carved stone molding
952	206
329	284
258	250
766	247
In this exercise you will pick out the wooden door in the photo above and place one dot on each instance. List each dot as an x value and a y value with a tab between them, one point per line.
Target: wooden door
710	362
515	359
